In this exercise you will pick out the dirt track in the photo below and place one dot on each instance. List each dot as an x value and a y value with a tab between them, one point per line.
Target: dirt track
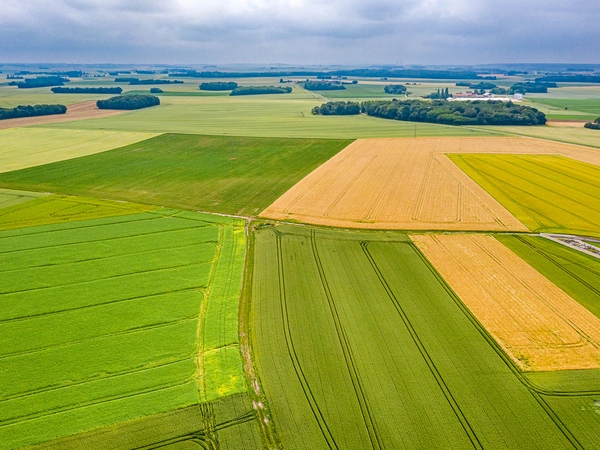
77	111
539	326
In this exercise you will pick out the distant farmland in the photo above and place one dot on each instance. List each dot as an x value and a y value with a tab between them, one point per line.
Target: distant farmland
359	344
102	306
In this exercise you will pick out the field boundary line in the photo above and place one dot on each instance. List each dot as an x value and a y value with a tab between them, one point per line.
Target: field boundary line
263	414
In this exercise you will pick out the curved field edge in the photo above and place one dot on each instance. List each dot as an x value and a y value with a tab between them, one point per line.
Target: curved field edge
230	175
95	403
546	193
28	147
304	397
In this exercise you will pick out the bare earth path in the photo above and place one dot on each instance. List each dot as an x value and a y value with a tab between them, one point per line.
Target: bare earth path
77	111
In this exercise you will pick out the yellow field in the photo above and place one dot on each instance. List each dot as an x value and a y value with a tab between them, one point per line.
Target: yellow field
409	184
27	147
539	326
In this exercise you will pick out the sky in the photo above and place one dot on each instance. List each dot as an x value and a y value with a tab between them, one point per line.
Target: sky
309	32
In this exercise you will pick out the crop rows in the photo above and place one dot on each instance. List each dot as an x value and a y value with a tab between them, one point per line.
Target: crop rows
360	344
100	317
546	193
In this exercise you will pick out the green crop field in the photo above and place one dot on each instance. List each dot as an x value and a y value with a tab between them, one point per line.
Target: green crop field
546	193
286	115
27	147
359	344
111	317
573	108
209	173
574	272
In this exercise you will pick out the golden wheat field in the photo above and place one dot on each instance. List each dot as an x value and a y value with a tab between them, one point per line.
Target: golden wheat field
409	184
539	326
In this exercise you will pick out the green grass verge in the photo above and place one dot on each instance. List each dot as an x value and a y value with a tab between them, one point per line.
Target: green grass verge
101	317
359	344
259	115
570	135
546	193
27	147
233	175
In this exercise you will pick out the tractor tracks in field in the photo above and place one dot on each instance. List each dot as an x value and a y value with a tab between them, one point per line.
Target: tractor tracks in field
314	407
535	391
460	415
368	419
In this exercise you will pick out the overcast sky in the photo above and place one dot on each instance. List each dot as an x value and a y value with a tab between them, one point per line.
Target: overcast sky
354	32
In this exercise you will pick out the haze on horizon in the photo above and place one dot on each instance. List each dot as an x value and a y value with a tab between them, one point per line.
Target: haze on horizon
299	31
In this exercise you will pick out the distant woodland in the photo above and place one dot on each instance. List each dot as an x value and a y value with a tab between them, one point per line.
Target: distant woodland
87	90
441	111
136	101
218	86
257	90
31	111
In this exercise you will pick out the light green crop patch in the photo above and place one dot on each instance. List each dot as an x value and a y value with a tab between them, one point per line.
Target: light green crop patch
546	193
102	312
9	197
28	147
59	209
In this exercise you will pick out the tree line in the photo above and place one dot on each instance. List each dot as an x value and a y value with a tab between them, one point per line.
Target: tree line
39	82
395	89
595	125
257	90
31	111
475	112
137	82
337	109
134	101
218	86
87	90
376	73
314	85
570	78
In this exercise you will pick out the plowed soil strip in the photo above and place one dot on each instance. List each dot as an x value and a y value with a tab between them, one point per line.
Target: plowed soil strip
409	184
539	326
77	111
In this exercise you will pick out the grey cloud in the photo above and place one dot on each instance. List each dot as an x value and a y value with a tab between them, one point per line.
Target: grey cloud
299	31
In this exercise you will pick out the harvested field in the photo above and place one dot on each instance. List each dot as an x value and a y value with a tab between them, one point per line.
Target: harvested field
78	111
538	325
409	184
